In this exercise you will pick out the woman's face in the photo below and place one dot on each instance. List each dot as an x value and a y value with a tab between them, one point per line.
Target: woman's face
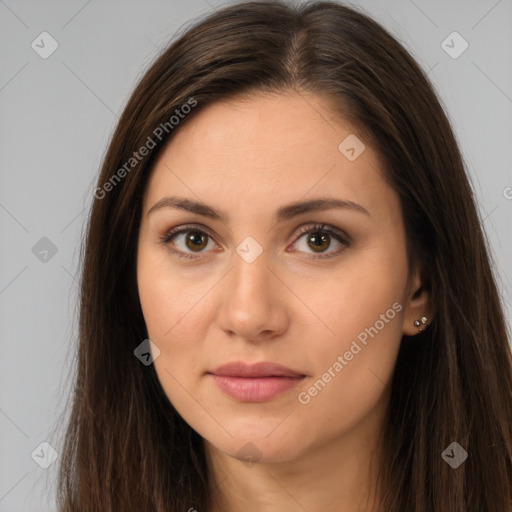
253	278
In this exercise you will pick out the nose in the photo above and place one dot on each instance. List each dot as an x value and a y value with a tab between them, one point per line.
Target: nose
253	301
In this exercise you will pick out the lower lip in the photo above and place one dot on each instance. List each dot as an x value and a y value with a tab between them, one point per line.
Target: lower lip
255	389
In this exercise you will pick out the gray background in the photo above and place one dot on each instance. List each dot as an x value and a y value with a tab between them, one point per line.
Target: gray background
57	115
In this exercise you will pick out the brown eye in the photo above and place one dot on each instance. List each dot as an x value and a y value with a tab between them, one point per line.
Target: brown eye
319	241
196	240
186	240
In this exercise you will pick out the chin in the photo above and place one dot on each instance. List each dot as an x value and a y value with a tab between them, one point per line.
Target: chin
260	447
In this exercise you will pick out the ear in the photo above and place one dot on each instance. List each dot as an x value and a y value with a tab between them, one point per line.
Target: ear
418	302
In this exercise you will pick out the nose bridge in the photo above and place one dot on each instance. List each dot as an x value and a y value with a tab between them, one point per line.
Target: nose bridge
250	277
251	301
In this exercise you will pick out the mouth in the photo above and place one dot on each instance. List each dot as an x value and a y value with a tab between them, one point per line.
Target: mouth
258	382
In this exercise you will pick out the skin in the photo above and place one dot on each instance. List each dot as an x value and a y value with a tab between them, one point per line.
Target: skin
248	157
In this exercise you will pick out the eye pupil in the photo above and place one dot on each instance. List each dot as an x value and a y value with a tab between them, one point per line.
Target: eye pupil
322	241
199	241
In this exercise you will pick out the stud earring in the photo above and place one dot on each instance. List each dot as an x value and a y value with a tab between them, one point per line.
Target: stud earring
421	323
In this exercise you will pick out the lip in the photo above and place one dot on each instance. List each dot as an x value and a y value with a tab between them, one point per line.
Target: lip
255	382
261	369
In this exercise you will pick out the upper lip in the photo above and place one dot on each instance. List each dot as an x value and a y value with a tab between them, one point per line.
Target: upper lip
262	369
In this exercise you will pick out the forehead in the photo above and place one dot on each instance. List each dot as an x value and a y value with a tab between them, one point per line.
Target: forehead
265	127
267	149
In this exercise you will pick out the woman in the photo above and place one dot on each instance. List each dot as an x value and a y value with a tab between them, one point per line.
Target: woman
287	301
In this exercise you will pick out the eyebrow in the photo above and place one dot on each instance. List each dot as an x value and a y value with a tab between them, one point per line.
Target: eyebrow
284	213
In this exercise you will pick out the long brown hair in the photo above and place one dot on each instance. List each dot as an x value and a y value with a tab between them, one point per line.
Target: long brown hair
126	448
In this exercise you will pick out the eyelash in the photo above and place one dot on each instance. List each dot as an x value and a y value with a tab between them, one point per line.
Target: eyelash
311	228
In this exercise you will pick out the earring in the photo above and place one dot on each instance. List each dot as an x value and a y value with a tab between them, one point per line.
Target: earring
421	323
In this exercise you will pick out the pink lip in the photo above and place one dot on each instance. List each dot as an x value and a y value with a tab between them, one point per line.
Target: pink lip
254	383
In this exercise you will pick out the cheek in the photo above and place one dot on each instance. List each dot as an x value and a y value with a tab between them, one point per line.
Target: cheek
174	307
355	296
352	370
172	315
354	359
366	329
169	300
